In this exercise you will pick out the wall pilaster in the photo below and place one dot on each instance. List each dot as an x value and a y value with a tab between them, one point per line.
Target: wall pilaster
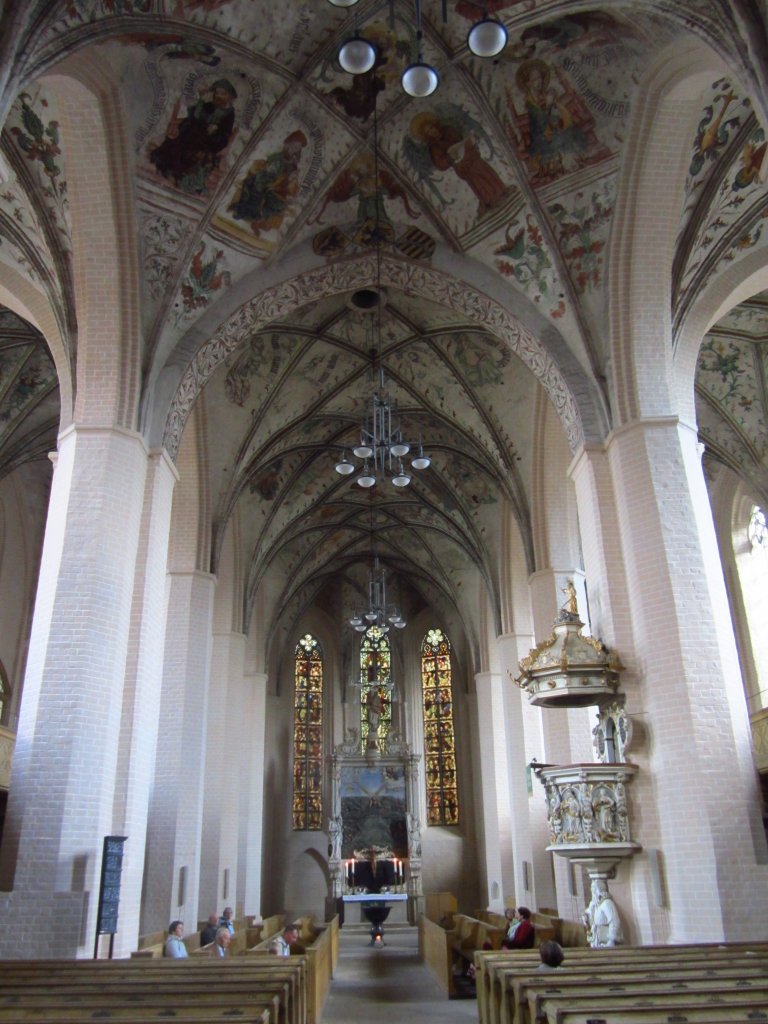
176	805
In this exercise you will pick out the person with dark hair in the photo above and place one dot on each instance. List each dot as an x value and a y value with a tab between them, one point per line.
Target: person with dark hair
281	944
174	944
208	934
551	954
522	936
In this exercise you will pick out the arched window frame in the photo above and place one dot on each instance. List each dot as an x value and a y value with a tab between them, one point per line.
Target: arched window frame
375	663
439	735
307	812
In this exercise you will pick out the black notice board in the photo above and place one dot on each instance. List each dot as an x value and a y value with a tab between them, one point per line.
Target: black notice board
109	890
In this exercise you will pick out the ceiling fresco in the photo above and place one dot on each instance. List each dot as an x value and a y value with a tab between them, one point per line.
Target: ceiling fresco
254	152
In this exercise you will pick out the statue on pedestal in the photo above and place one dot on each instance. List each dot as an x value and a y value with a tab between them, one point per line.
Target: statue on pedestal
374	706
601	918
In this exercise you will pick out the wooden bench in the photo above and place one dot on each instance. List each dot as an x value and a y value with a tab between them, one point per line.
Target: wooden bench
508	982
190	990
320	946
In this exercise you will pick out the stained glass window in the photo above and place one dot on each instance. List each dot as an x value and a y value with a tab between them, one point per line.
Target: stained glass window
439	742
308	735
375	687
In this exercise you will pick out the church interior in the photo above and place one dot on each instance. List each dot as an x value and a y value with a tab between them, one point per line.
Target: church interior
383	461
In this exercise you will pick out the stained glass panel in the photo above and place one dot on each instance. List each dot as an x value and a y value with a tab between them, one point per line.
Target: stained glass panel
439	742
308	735
375	680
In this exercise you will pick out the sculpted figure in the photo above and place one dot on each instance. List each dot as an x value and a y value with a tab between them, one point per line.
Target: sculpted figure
571	815
334	834
601	918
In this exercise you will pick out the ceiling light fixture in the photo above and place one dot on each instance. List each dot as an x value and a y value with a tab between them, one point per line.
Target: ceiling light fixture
379	612
486	38
382	446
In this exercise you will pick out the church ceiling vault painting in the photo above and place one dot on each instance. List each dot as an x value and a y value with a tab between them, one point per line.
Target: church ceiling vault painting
253	159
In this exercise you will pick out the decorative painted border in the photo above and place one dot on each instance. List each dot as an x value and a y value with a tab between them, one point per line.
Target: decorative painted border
344	276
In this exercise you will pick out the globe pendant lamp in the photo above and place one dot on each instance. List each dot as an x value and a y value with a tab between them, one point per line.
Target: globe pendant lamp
487	38
420	79
357	55
343	3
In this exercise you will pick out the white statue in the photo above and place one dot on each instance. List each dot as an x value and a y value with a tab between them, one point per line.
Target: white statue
601	918
414	836
335	834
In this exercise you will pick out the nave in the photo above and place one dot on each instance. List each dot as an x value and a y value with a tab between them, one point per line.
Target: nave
388	983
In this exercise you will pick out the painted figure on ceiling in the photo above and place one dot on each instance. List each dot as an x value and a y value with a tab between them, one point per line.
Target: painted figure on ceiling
555	136
193	144
450	143
270	186
362	182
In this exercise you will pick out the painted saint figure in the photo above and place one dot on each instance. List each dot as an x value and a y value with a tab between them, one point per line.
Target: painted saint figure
194	143
374	707
554	136
270	186
451	147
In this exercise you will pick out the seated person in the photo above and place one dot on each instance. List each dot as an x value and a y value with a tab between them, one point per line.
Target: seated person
174	944
208	934
225	921
523	935
281	945
551	954
220	948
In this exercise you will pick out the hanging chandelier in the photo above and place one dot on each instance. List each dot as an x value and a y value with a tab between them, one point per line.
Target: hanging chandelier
379	611
382	446
357	55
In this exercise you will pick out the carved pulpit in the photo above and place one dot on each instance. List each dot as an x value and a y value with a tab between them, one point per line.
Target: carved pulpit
374	834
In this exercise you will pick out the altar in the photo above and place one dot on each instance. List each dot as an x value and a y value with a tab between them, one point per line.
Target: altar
397	902
374	852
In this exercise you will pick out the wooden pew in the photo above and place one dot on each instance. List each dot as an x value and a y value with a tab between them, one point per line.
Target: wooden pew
435	951
321	949
504	979
186	990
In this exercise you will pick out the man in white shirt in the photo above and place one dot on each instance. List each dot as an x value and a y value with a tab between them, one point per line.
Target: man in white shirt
281	944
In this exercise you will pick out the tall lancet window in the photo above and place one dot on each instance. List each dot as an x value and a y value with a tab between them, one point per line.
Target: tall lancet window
308	735
439	742
375	687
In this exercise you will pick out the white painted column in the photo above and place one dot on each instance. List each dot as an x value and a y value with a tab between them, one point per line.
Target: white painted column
251	818
176	806
226	739
532	882
141	699
65	763
492	785
690	686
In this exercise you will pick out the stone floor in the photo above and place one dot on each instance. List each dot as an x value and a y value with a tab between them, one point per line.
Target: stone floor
389	983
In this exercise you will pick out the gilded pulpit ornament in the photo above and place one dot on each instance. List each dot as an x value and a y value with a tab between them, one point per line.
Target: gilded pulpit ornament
569	669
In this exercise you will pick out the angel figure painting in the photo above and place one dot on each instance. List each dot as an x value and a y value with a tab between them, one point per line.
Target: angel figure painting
448	138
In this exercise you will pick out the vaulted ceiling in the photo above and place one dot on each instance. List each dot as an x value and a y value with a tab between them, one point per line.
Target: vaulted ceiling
255	157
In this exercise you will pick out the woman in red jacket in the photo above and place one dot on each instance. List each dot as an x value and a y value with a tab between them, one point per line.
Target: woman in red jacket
520	934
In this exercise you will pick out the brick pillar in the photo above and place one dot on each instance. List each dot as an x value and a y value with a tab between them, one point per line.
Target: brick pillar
227	740
65	762
690	689
143	686
175	813
251	814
